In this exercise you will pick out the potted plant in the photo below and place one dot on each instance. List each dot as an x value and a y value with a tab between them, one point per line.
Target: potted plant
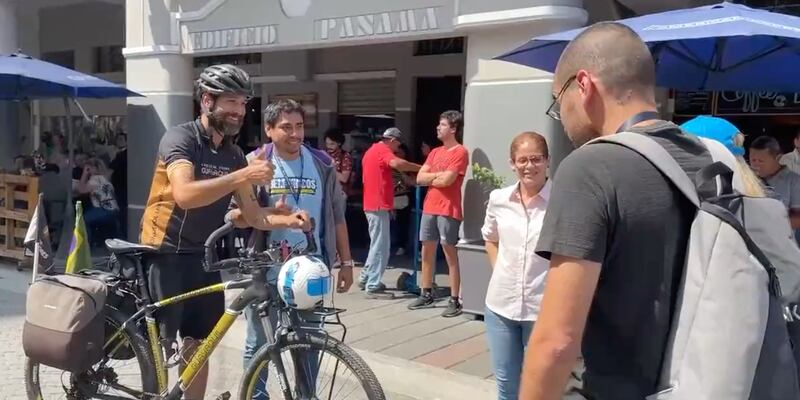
475	268
487	177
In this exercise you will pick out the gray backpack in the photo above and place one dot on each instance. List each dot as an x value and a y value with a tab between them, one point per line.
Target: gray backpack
728	338
64	322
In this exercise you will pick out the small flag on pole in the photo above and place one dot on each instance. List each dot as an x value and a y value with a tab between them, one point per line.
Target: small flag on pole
79	255
37	241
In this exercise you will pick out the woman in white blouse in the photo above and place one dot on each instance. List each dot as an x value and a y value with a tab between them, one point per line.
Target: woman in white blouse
514	218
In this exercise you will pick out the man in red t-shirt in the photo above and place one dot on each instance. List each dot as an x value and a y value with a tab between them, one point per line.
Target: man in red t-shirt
378	188
443	172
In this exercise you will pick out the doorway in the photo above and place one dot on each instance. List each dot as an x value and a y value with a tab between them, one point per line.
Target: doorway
434	96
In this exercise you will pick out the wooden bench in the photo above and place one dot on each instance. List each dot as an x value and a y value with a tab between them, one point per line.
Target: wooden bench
18	198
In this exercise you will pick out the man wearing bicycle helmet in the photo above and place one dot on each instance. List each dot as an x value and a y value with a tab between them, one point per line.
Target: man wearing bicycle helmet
198	169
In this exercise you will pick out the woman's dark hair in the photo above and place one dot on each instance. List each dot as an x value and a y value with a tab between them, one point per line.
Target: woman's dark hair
335	134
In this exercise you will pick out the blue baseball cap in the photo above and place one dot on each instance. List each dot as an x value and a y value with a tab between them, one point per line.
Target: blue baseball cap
715	128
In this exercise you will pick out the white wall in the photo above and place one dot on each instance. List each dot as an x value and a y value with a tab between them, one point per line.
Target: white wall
502	100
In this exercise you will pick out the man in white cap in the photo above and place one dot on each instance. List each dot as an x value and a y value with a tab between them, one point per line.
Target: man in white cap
378	188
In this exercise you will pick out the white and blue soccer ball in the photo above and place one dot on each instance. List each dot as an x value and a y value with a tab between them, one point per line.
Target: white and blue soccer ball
304	282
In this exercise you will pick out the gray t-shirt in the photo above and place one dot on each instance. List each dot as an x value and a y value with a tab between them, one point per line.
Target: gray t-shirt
610	205
785	186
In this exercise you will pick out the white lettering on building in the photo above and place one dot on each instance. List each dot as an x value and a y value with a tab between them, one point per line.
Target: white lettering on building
385	23
232	38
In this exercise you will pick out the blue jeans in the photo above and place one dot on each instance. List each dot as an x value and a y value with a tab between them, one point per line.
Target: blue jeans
379	248
507	342
256	338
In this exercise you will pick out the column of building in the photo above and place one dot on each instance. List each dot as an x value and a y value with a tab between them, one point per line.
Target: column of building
504	99
156	69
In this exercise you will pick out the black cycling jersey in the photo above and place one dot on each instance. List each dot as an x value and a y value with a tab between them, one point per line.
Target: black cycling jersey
164	224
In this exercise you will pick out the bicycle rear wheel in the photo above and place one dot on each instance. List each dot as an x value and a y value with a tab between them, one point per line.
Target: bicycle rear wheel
341	373
127	373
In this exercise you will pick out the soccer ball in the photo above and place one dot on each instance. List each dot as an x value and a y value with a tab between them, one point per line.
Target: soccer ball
304	282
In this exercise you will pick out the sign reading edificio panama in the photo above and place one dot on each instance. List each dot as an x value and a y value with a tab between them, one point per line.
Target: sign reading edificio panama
232	38
377	24
306	22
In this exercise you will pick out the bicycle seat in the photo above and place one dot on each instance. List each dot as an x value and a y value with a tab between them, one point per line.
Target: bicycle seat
120	247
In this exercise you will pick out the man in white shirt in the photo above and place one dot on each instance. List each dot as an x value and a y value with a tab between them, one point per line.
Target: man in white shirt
792	160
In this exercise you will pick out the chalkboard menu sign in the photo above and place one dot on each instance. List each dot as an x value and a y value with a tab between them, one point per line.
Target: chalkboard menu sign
757	103
693	103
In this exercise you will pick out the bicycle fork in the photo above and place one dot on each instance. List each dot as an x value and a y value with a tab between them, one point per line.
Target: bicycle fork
304	362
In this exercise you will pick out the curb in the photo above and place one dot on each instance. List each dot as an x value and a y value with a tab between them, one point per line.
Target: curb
425	382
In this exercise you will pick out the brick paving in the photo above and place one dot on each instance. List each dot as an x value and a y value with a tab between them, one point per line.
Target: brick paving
370	320
383	327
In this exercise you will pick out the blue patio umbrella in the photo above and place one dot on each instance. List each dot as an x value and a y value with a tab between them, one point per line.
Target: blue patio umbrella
23	77
719	47
26	78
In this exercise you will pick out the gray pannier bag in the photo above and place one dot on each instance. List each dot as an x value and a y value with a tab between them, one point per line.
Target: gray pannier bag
728	337
64	322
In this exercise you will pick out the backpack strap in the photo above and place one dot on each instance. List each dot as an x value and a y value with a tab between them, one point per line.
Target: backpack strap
659	157
727	179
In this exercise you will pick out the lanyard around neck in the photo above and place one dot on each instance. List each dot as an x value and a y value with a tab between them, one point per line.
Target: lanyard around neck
295	191
639	117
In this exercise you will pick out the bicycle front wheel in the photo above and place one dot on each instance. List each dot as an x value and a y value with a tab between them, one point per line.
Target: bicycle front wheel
338	372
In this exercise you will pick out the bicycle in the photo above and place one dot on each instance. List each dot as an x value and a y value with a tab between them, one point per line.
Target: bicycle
132	334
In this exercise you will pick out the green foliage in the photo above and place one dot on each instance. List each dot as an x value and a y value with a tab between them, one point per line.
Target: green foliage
487	177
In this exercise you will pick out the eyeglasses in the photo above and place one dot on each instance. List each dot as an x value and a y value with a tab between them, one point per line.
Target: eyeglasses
554	111
537	159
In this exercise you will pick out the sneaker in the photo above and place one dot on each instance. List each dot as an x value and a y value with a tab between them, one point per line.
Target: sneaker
422	301
379	293
362	285
453	309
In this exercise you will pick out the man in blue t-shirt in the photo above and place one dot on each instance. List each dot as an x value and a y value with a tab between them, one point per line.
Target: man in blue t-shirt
304	179
296	185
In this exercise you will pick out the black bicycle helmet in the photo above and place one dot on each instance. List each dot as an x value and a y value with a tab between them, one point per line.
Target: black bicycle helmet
225	78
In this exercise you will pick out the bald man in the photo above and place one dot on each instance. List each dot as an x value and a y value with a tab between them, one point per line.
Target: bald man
615	231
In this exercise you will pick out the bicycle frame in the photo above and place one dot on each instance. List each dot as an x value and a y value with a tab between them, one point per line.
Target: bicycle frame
251	294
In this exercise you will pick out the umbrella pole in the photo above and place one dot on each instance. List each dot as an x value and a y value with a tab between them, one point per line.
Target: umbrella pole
71	149
65	239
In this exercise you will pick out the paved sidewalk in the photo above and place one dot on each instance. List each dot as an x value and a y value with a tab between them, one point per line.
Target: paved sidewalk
415	354
399	376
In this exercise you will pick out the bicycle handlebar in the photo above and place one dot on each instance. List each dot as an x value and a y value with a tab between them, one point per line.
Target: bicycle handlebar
208	261
210	265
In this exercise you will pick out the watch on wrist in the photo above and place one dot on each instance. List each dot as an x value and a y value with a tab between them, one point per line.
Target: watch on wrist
348	263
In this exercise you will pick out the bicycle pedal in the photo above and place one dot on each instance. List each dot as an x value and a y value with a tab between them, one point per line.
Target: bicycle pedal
224	396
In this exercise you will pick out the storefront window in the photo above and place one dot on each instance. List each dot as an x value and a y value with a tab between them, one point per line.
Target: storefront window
439	46
108	59
233	59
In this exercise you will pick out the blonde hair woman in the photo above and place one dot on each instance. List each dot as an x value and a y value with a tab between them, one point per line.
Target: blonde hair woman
721	130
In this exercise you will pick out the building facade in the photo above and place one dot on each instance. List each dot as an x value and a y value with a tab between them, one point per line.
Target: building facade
351	62
355	64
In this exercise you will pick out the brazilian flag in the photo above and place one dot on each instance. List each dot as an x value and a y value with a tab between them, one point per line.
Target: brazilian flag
79	256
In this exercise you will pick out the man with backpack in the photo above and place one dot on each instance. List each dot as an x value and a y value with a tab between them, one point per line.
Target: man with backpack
616	234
